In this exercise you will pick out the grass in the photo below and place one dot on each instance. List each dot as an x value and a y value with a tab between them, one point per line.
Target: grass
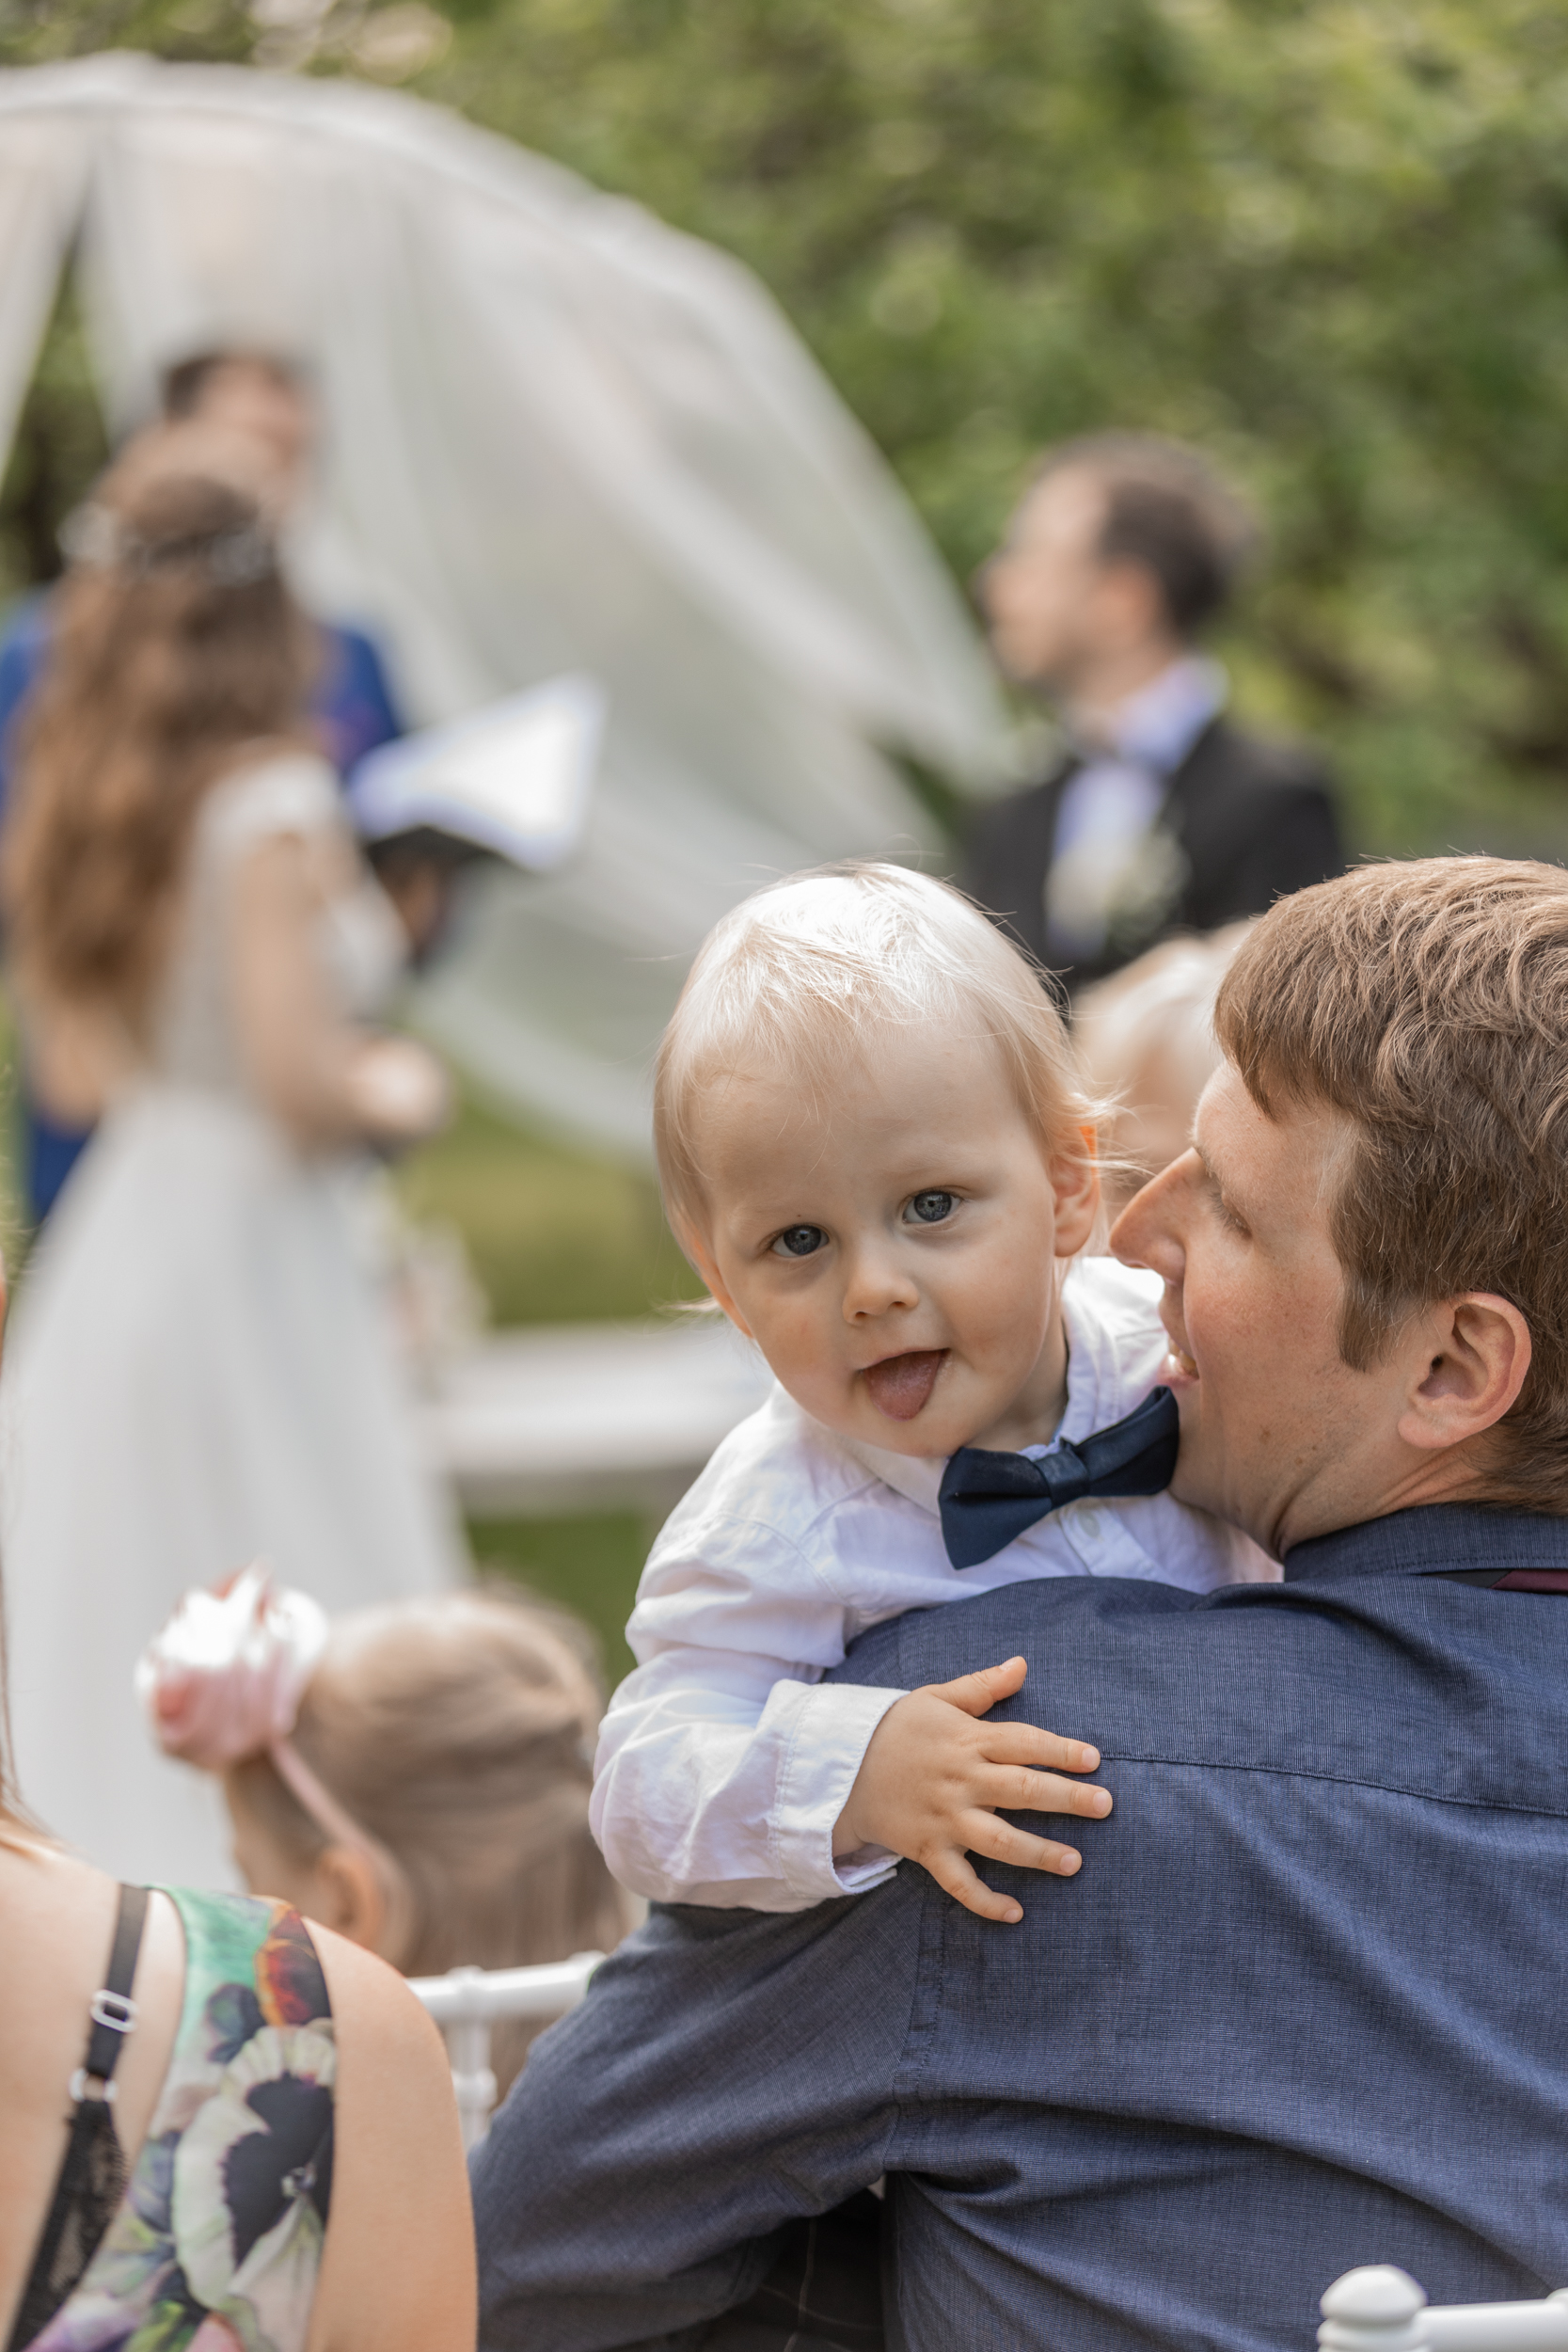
588	1565
554	1236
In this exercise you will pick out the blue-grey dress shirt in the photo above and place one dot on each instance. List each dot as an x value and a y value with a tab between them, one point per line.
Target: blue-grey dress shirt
1304	2007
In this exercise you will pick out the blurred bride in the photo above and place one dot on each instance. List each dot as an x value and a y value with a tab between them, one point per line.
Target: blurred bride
198	1371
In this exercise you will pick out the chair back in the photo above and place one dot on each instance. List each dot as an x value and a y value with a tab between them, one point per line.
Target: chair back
1379	2309
466	2002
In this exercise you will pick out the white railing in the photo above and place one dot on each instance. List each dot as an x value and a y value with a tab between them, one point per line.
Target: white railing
1382	2309
466	2002
589	1416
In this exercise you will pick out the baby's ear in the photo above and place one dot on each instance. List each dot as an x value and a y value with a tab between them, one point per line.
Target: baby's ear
695	1250
1074	1173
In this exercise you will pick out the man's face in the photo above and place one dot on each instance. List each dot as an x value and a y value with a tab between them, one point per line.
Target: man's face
1042	590
246	398
1278	1434
891	1247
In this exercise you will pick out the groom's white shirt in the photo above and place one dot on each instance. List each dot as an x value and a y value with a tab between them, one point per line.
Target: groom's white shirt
724	1761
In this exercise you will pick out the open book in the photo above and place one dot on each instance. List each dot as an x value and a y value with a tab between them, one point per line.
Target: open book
515	778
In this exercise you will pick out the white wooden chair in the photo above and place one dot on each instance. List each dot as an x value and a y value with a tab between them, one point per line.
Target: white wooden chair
1380	2308
466	2002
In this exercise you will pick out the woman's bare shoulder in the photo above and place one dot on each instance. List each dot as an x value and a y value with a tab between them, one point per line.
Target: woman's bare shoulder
372	2002
398	2270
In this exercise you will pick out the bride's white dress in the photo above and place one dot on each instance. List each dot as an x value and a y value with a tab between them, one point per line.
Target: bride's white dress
198	1371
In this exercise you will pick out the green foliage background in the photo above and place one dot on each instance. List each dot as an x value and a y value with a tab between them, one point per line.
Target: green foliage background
1328	242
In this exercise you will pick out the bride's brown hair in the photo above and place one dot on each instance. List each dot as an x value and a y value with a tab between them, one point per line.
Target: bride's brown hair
173	641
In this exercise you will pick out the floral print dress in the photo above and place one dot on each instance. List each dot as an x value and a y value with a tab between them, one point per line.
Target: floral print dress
217	2241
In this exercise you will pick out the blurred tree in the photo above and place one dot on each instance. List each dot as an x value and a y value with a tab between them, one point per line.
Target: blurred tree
59	446
1327	241
35	32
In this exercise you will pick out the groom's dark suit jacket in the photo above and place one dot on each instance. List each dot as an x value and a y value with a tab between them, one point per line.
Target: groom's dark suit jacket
1304	2007
1251	819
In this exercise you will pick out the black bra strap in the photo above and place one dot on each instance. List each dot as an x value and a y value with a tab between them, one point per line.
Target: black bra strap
112	2010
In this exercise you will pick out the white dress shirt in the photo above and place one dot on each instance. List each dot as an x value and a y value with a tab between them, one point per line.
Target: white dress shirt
1109	858
724	1760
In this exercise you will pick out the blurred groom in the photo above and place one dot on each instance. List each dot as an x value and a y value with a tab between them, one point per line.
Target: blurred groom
1162	816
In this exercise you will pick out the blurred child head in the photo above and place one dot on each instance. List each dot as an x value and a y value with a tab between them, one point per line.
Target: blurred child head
457	1734
875	1149
1146	1040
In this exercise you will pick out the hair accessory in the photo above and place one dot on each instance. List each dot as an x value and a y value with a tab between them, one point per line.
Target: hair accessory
235	557
223	1680
225	1677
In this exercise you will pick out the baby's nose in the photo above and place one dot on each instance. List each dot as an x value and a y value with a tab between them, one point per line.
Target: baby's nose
876	1285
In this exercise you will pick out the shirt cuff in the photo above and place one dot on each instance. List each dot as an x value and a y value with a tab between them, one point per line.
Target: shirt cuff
827	1730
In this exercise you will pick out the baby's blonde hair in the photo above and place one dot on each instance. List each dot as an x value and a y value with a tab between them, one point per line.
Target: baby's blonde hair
800	977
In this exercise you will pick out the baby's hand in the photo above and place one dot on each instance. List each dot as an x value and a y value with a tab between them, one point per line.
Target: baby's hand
931	1780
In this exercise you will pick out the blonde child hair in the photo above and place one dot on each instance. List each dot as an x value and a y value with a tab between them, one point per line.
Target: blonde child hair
458	1733
1145	1042
800	978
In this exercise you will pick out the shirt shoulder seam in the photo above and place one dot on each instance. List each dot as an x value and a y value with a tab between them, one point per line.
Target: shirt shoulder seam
1344	1780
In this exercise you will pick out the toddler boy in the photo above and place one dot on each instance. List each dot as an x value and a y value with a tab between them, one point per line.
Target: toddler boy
876	1151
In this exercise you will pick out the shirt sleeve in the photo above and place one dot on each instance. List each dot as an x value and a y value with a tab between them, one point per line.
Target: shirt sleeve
723	1761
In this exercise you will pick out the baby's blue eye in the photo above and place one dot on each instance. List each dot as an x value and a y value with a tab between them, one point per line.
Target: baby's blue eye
929	1208
798	1241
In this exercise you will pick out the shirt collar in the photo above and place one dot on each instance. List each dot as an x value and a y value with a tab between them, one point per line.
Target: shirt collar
918	1476
1432	1538
1157	727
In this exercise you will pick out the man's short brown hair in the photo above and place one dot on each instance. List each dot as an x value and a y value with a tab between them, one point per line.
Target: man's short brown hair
1429	1002
1168	509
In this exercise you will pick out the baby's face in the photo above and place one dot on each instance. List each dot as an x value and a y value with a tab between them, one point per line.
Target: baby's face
892	1249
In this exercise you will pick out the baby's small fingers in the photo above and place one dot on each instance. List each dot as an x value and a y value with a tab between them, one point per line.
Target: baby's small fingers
977	1693
1013	1789
953	1874
1021	1743
999	1841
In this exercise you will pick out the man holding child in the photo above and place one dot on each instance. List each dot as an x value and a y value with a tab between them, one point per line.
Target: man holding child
1301	2007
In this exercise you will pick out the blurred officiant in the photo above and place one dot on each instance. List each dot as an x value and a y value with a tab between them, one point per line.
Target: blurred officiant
1159	815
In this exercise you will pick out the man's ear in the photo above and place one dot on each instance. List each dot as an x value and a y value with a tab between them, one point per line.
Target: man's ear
1476	1354
1075	1180
696	1249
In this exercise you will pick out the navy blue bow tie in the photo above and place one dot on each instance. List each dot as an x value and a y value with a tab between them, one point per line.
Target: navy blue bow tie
988	1499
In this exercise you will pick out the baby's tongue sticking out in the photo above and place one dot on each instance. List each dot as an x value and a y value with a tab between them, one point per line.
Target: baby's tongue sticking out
900	1384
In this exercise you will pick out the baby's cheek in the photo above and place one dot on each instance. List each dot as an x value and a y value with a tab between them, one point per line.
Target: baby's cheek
798	1346
1011	1302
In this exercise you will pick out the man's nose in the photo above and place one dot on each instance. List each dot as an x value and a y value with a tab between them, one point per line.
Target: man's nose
877	1284
1150	1231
